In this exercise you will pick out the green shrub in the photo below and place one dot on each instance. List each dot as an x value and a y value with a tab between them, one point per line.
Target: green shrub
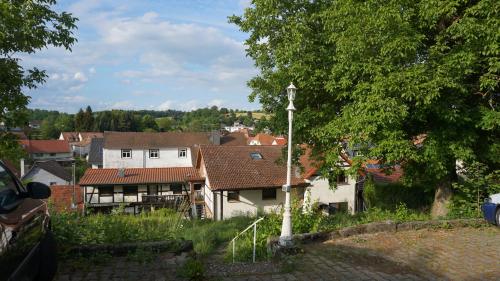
389	196
474	184
193	270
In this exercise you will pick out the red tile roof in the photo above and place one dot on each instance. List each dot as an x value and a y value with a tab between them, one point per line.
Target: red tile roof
380	176
235	138
280	140
154	140
91	135
45	146
232	168
263	139
308	163
70	136
139	176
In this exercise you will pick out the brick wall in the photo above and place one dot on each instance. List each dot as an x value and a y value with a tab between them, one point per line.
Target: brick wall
61	196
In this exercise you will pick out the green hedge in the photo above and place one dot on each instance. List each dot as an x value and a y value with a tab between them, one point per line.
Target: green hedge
390	196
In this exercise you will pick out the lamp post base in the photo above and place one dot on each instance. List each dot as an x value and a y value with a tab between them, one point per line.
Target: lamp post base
285	241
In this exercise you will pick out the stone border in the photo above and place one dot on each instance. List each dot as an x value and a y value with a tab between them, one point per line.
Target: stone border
175	246
374	227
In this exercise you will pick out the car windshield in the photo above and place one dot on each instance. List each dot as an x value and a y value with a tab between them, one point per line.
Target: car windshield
8	190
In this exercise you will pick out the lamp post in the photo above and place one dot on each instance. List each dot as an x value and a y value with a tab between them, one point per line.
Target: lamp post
286	227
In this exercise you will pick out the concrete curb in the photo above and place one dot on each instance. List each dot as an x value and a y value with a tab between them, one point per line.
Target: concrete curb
374	227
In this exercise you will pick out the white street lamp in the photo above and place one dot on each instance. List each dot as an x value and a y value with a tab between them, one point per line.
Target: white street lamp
286	227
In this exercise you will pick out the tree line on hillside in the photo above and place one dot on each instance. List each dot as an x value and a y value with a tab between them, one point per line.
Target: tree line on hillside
203	119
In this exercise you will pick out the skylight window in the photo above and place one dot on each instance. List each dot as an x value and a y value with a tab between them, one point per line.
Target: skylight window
256	155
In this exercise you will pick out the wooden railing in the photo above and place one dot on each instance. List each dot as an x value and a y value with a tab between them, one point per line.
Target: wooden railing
148	199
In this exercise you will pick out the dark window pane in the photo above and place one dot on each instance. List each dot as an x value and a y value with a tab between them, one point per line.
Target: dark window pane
176	188
233	196
269	194
129	190
106	190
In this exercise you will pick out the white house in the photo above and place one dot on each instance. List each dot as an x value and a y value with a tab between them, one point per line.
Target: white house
43	150
153	150
243	180
237	127
80	142
345	197
49	173
266	139
141	189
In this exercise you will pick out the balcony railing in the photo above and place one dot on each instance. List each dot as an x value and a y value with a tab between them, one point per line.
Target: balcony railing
159	199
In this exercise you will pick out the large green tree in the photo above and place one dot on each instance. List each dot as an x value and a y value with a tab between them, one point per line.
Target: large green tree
380	74
26	26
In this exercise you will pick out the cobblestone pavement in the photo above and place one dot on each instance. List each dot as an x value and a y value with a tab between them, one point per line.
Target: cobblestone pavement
457	254
160	268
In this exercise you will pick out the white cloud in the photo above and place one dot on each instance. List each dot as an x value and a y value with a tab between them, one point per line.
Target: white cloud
126	104
75	99
80	76
145	51
166	105
216	102
189	105
76	88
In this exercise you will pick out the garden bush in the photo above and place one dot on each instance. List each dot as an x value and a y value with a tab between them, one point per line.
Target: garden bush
388	196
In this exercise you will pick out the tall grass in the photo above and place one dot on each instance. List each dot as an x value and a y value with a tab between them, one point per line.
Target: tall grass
72	229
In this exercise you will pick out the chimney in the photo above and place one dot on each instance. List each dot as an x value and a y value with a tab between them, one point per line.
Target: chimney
22	167
121	172
215	137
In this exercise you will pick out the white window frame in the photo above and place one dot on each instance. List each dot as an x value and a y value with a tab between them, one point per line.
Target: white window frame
154	150
182	151
125	150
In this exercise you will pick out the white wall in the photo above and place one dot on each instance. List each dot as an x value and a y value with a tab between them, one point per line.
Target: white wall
169	157
251	201
320	192
40	175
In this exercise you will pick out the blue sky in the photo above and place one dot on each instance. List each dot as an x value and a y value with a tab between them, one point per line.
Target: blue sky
158	55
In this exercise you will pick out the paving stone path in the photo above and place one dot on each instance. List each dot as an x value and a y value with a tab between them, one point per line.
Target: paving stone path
454	254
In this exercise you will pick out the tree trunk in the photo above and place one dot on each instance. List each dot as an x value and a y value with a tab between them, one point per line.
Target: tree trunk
442	198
